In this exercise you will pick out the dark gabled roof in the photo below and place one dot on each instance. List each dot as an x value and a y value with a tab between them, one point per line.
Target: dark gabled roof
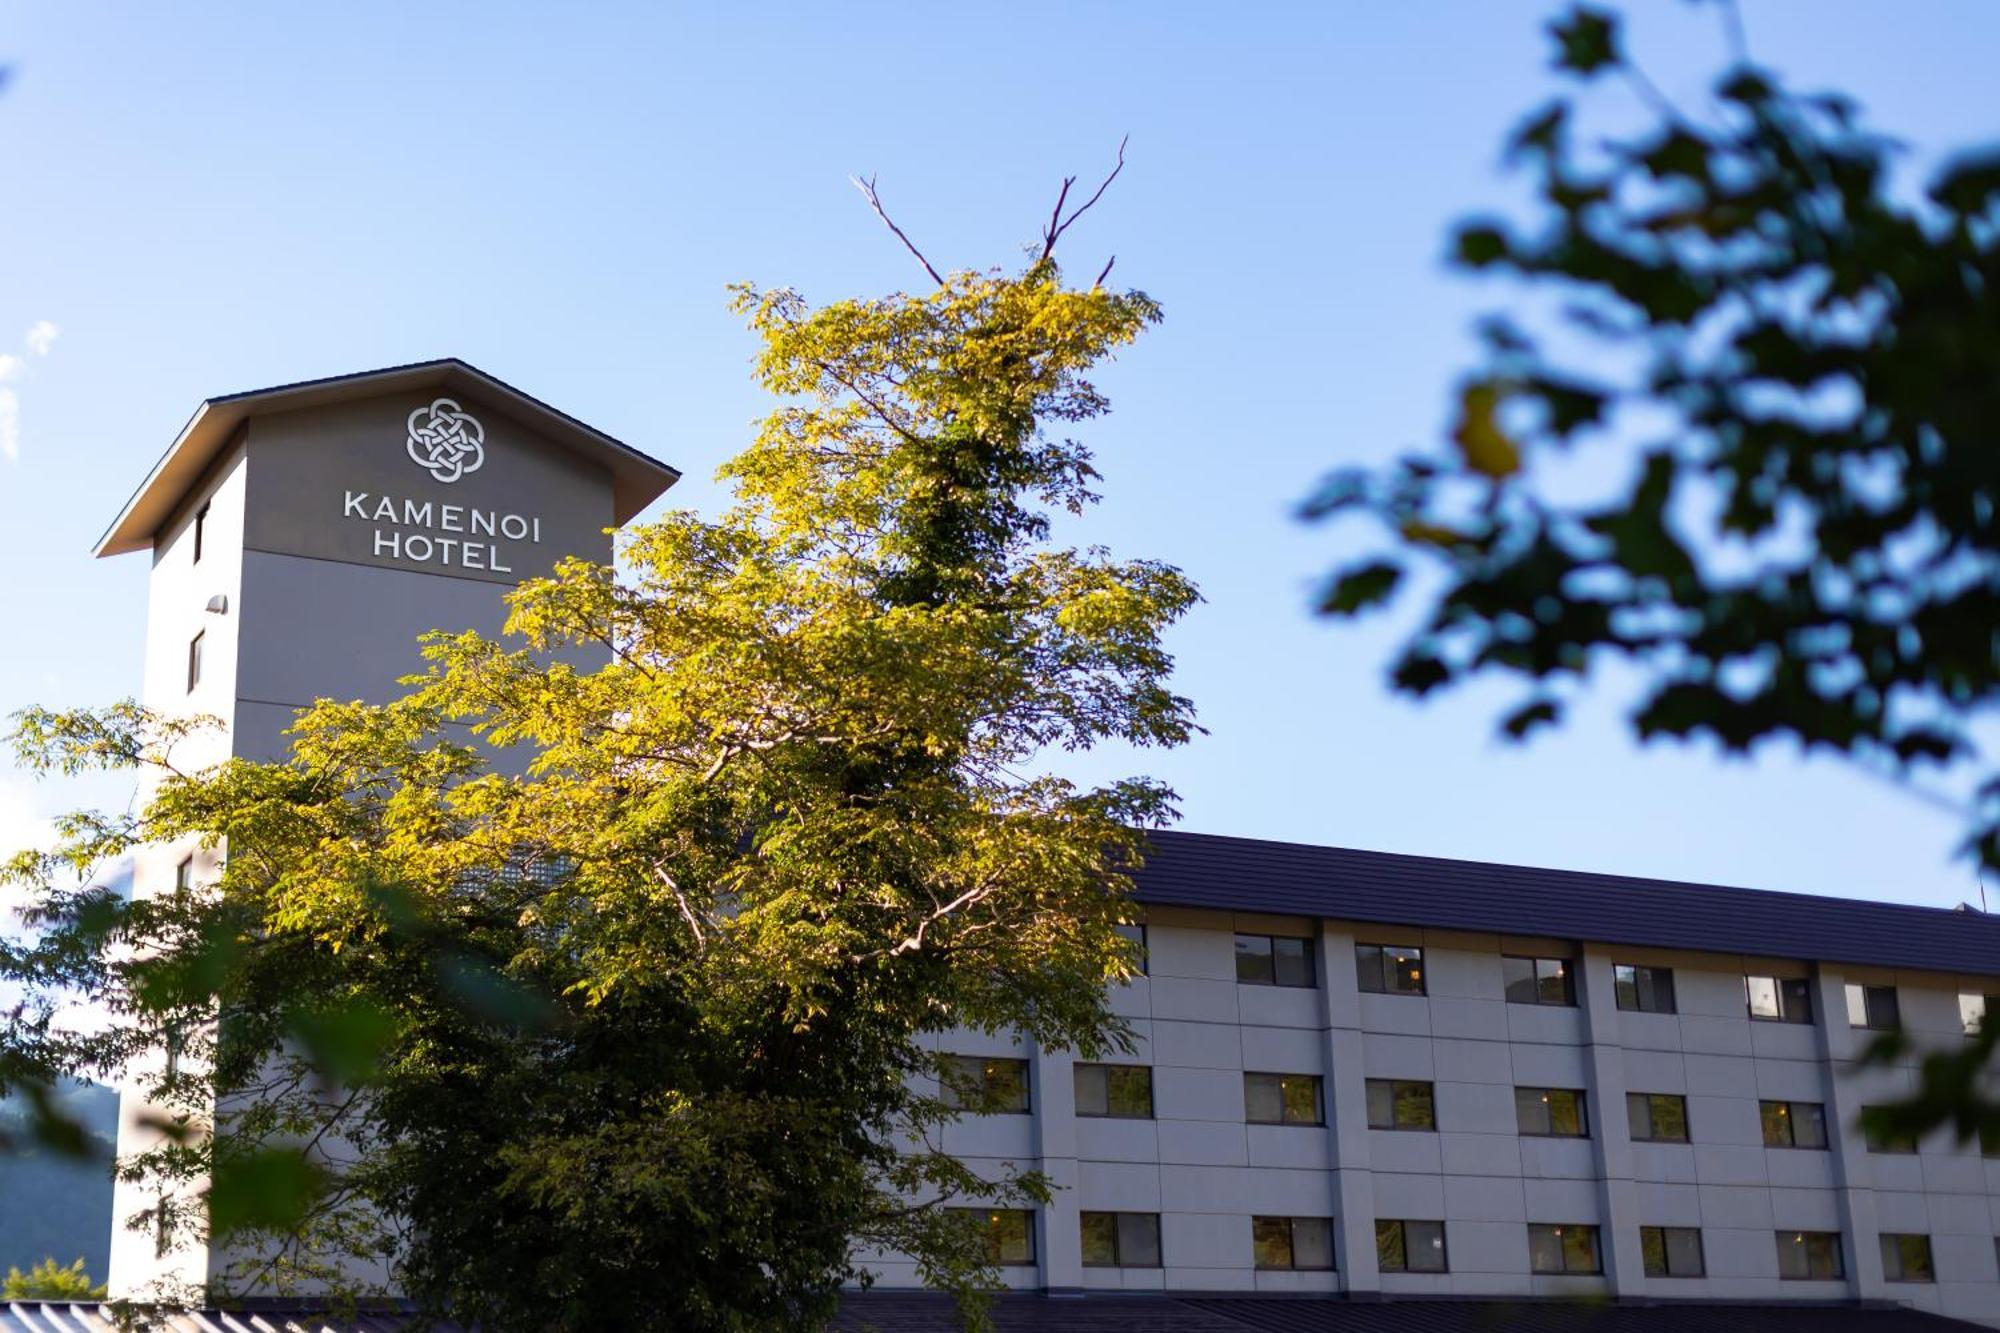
636	479
1105	1312
1248	874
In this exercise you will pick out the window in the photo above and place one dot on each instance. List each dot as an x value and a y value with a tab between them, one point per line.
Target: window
1119	1091
1401	1103
986	1083
1972	1011
1565	1248
194	661
1389	969
184	875
1907	1258
200	530
1281	1099
1779	999
1552	1112
1881	1138
1009	1233
1809	1255
1410	1247
1280	960
1793	1124
1657	1117
1537	981
1136	934
1292	1242
1121	1240
1671	1251
1873	1007
1647	990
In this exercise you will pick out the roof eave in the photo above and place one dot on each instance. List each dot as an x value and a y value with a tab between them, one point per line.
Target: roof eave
636	479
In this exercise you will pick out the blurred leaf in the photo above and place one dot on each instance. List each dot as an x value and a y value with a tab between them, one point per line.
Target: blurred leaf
1358	589
1484	446
267	1189
1588	40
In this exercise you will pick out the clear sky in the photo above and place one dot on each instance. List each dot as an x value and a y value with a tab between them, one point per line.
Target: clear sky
206	198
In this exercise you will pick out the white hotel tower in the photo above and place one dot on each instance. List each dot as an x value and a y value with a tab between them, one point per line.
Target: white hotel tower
1372	1093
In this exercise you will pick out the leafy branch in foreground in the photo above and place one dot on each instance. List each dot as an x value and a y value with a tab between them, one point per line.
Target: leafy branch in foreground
1795	373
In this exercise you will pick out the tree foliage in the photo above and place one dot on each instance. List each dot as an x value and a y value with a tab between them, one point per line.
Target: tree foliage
50	1281
598	981
1801	368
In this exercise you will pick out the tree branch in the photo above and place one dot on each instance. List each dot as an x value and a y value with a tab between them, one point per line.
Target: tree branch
867	188
1059	224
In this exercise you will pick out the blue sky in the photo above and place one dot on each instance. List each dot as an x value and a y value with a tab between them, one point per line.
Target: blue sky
207	198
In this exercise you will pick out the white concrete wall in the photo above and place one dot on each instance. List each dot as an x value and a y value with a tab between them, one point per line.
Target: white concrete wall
1208	1173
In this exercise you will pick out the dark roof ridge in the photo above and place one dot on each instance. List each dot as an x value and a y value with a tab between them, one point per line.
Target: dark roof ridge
1226	871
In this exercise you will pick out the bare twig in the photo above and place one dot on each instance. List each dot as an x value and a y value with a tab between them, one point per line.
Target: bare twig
1059	224
867	188
1105	272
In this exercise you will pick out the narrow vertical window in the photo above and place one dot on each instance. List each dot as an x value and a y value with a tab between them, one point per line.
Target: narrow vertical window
194	661
200	531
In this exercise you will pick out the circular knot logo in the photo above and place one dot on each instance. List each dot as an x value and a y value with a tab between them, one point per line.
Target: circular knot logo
446	441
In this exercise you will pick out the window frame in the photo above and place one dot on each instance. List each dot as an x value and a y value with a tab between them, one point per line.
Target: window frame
1791	998
1788	1110
1893	1242
950	1094
1136	932
1566	973
1867	995
1083	1069
194	654
1118	1256
1802	1242
1666	1266
996	1255
1653	1135
200	531
1660	983
1372	975
1319	1098
1395	1087
1291	1228
1561	1233
1542	1096
1270	953
1403	1225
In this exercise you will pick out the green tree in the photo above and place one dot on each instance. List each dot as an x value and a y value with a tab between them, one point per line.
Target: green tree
1799	371
50	1281
638	1028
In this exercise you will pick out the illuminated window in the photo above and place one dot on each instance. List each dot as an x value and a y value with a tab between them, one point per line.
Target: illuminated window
1389	969
1282	1099
986	1083
1538	981
1793	1124
1551	1112
1810	1256
1563	1248
1009	1233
